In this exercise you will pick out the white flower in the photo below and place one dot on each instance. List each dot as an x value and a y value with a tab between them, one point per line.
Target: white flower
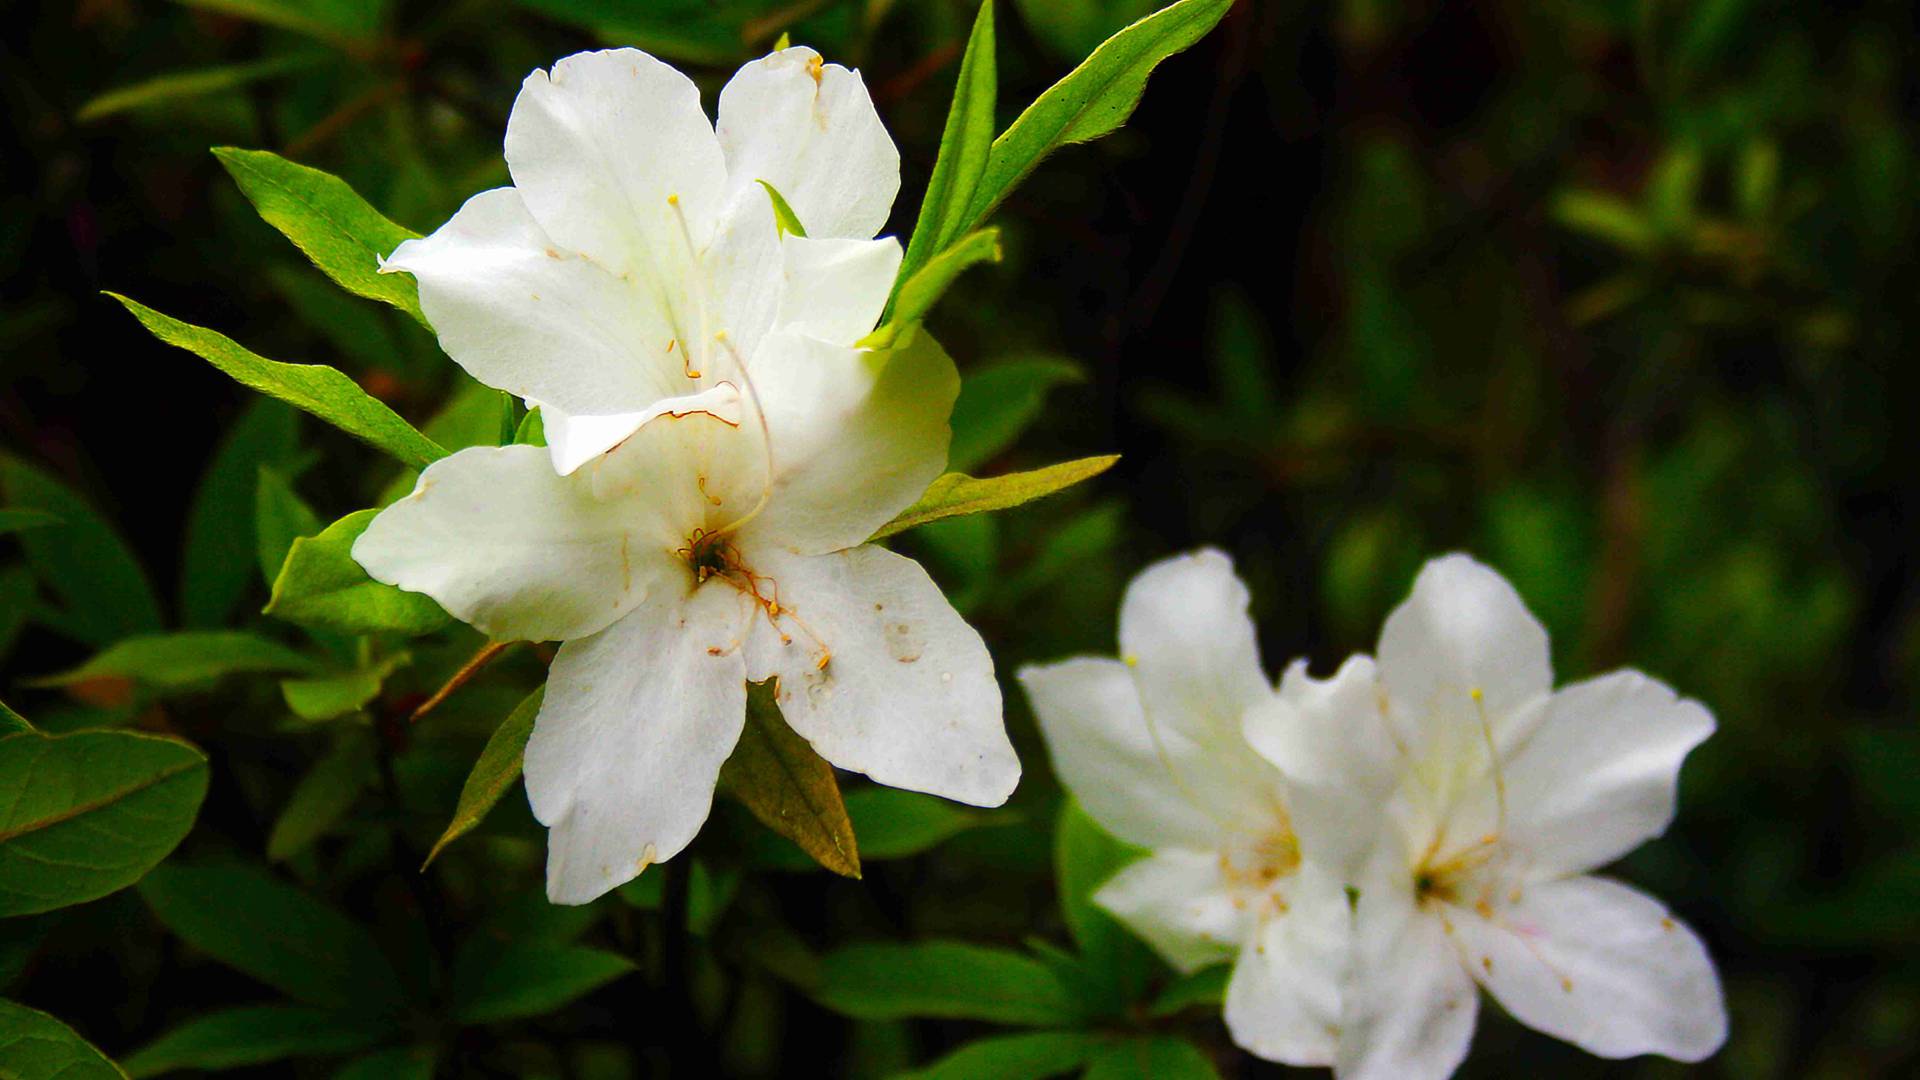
701	553
636	253
1151	745
1468	802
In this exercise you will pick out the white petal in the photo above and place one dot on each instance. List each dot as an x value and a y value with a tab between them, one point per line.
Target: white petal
811	131
512	549
573	440
857	436
1599	774
1330	740
1463	643
835	290
1409	1004
1283	1002
1178	901
881	675
1185	631
630	739
1102	750
526	315
599	147
1600	965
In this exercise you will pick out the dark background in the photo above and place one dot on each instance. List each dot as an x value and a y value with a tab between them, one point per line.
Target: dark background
1618	296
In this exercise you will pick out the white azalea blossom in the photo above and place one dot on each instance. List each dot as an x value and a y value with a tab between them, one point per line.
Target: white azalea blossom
1151	746
1468	802
637	247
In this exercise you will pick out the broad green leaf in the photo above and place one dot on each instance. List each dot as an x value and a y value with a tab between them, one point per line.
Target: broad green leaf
338	693
316	388
1152	1057
321	586
339	21
280	516
944	980
889	824
492	982
956	493
255	1035
90	812
329	221
997	403
275	933
493	774
214	567
1094	98
103	592
323	796
789	788
1206	988
184	659
1033	1056
1084	857
14	519
917	294
399	1063
169	88
784	218
964	145
35	1046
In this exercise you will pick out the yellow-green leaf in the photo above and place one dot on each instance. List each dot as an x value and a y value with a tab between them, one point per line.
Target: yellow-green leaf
955	494
964	146
918	293
784	218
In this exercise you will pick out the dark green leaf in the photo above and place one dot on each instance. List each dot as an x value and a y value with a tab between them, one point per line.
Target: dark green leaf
964	145
315	388
997	403
35	1046
255	1035
1206	988
889	824
956	493
1033	1056
1152	1057
399	1063
11	721
492	982
945	980
214	568
105	594
917	294
494	774
789	788
323	796
280	516
184	659
1084	857
90	812
339	21
321	586
13	519
170	88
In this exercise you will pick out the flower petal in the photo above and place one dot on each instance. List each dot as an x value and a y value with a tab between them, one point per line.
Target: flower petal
880	674
1178	901
512	549
1089	713
1330	740
1283	1002
525	315
1464	632
1600	965
835	290
600	146
857	436
629	742
1599	774
573	440
1409	1005
1185	631
811	131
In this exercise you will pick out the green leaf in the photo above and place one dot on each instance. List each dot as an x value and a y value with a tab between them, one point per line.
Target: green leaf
471	417
17	520
11	721
316	388
946	980
280	516
184	659
1606	218
532	430
784	219
1206	988
917	294
494	982
1152	1057
1033	1056
338	693
90	812
255	1035
494	774
104	593
214	573
789	788
323	796
275	933
889	824
338	21
997	403
964	146
1084	857
169	88
956	493
399	1063
329	221
321	586
1094	98
35	1046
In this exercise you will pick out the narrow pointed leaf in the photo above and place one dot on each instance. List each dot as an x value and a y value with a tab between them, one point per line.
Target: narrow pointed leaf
104	593
1094	98
997	403
494	774
280	516
90	813
339	21
492	983
784	218
34	1045
321	586
789	788
171	87
323	796
917	294
955	494
216	563
256	1035
11	721
1033	1056
184	659
947	980
964	146
889	824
